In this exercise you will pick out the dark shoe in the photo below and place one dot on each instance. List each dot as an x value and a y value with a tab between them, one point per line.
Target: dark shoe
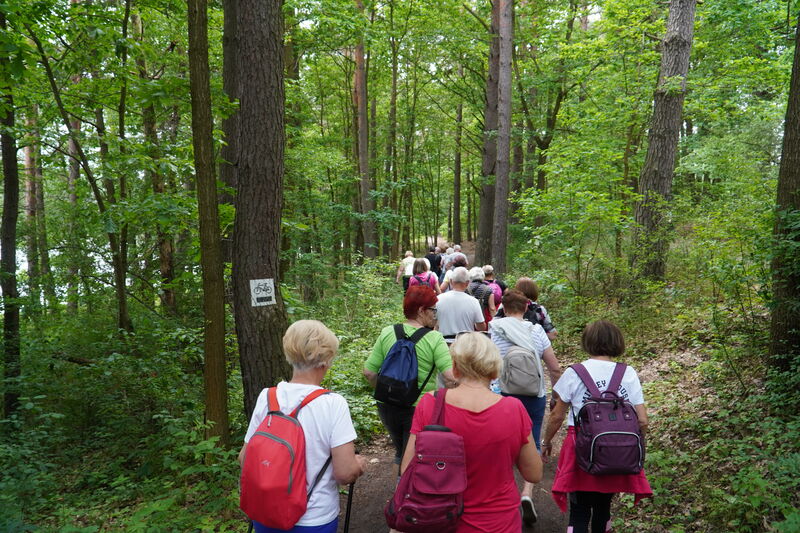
529	515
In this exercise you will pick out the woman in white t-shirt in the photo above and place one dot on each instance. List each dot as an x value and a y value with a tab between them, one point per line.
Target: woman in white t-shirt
589	495
310	348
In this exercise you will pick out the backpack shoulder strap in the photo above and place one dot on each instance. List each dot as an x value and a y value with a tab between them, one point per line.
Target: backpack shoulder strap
588	382
616	378
417	335
308	399
272	399
399	332
319	477
438	408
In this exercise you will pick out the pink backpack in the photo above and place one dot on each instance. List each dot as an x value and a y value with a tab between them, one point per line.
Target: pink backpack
273	482
430	495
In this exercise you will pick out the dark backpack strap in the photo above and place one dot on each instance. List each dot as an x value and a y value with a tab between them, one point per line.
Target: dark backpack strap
319	476
587	379
417	335
438	407
308	399
616	378
399	332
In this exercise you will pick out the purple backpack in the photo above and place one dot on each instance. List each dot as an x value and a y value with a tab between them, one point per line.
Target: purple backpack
430	495
607	435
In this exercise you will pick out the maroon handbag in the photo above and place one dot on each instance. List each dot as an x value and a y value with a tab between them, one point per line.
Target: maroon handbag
429	497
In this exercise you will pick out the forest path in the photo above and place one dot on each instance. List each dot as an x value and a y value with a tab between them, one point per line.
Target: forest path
376	486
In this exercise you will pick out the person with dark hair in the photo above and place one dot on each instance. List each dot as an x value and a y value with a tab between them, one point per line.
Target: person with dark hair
589	495
534	313
419	308
423	276
434	257
511	331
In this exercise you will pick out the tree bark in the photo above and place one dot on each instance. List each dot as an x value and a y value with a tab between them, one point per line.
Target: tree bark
365	183
229	151
503	168
214	374
456	235
32	182
785	322
483	251
655	184
259	198
8	244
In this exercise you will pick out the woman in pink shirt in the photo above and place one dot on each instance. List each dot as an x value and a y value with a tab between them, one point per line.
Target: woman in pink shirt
423	276
497	437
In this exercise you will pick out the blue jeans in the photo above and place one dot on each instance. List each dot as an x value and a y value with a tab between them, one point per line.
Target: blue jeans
330	527
535	407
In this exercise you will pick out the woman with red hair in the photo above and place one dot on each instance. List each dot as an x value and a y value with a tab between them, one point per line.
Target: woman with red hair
419	308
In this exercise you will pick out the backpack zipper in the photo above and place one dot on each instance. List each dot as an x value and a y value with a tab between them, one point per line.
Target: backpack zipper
638	443
288	448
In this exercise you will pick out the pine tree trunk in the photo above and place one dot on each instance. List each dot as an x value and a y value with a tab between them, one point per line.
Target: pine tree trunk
483	251
456	234
259	199
32	182
655	184
8	244
365	184
503	168
785	325
229	151
214	373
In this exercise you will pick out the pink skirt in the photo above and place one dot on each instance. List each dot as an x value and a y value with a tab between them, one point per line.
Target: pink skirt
570	478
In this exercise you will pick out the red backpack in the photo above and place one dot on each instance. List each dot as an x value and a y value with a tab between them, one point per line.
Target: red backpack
430	495
273	482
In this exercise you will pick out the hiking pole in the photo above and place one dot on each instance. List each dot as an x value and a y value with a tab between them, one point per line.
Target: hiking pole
349	506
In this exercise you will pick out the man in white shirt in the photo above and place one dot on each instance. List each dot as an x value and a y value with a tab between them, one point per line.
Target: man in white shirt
456	310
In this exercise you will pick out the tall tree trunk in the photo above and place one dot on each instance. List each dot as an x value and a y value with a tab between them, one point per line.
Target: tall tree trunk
229	151
503	168
655	184
360	94
259	198
483	251
165	244
48	284
456	235
74	174
32	183
8	243
785	325
214	374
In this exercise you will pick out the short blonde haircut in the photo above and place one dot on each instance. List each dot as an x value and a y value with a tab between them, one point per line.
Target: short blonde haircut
309	344
476	356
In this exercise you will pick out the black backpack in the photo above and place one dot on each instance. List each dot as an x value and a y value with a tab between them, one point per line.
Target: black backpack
398	377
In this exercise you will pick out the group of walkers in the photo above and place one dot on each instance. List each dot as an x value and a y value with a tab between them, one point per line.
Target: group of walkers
470	355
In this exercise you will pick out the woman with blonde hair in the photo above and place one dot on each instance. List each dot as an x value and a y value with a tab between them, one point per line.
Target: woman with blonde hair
310	348
497	436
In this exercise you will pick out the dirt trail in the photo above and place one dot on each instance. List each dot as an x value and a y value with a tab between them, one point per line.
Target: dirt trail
375	487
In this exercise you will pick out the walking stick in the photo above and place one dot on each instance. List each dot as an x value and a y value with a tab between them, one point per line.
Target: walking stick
349	506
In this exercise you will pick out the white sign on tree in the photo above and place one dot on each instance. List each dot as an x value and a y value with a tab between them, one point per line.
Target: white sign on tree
262	292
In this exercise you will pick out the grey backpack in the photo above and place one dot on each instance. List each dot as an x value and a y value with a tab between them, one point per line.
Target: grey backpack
522	372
